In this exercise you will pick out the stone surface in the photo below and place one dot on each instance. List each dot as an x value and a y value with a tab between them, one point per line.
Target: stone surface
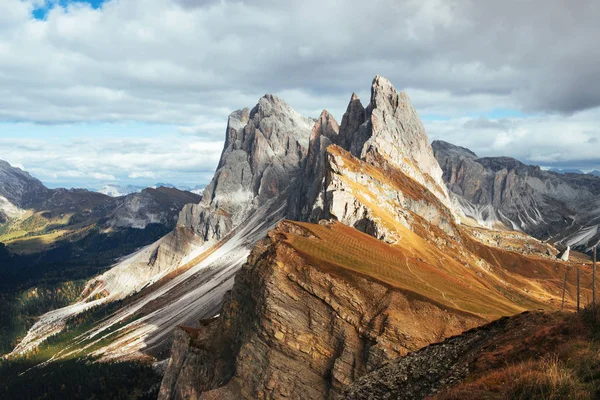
501	191
19	188
307	197
264	149
399	136
293	330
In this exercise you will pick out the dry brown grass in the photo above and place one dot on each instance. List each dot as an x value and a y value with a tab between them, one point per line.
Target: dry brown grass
549	357
546	379
413	265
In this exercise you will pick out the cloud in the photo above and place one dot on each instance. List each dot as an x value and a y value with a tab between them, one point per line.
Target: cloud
90	162
142	174
557	140
190	63
186	61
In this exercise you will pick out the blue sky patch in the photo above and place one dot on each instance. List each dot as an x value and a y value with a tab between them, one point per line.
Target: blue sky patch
41	12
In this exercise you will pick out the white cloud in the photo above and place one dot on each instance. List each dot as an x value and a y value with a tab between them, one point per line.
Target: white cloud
142	174
190	63
89	162
547	140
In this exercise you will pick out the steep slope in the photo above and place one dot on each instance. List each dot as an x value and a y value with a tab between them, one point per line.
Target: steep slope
317	306
390	129
183	276
381	171
18	187
264	149
66	237
532	355
501	191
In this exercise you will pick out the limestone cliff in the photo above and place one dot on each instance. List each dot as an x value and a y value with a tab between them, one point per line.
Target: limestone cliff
296	326
264	149
501	191
375	174
391	130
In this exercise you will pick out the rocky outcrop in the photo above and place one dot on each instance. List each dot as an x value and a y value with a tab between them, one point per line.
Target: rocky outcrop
422	373
504	191
264	149
488	362
374	200
307	198
565	254
376	170
293	328
392	130
351	137
19	188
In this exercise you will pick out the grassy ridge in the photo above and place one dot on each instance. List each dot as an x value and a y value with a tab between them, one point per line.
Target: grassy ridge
421	269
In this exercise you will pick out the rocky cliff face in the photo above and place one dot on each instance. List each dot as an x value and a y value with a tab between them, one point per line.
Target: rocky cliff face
374	175
391	130
264	150
504	191
18	190
515	357
294	328
307	198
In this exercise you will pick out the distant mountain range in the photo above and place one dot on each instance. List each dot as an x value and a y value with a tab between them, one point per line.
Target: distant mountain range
566	170
115	190
563	209
573	171
35	220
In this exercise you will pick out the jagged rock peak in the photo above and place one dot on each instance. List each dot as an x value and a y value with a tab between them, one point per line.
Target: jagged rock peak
353	118
397	134
19	188
306	199
451	149
326	125
264	149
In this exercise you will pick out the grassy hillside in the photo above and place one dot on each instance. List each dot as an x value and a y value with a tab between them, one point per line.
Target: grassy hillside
538	356
416	265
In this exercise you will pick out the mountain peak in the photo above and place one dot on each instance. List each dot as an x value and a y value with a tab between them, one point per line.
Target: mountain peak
325	125
18	187
349	137
451	149
397	134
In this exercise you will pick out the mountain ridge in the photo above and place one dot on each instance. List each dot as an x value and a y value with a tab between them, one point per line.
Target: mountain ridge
561	208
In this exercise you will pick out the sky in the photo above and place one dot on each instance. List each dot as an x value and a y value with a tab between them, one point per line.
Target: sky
138	92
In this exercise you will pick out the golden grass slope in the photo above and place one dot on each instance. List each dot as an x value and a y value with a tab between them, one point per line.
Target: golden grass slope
453	266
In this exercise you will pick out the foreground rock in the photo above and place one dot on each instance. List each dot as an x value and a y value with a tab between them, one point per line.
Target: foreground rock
532	355
290	329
